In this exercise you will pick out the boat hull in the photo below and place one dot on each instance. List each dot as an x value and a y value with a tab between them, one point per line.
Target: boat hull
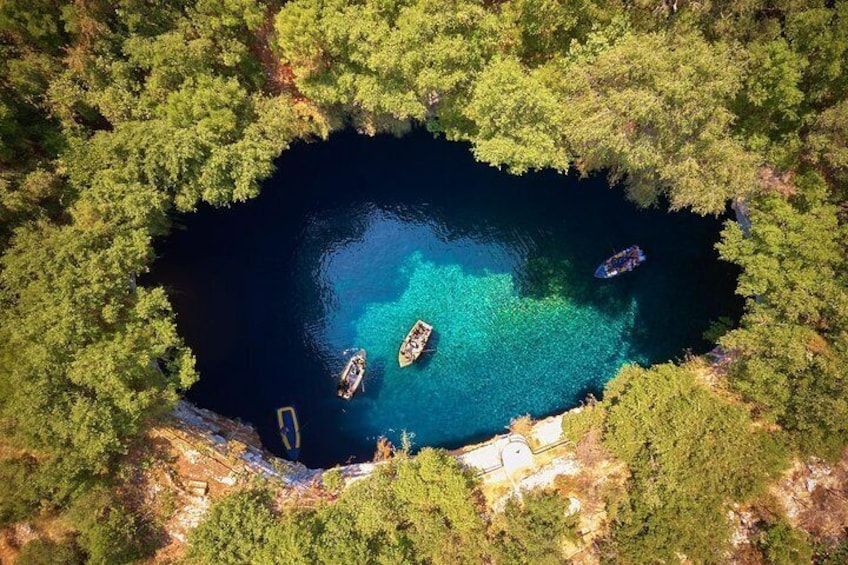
620	263
289	431
414	343
352	376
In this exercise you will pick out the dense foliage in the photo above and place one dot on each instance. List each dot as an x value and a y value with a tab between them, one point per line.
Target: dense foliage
794	336
115	114
531	530
691	454
419	510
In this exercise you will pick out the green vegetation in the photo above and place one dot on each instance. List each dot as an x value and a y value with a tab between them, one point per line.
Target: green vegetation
690	454
235	530
783	545
42	552
115	114
531	531
19	495
420	510
108	532
793	336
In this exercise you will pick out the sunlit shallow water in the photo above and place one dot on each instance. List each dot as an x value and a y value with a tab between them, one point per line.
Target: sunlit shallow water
356	238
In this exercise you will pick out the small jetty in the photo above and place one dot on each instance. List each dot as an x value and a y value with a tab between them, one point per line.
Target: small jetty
622	262
352	375
289	430
414	344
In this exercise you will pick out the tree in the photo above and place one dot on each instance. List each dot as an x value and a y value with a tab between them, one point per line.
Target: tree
820	35
691	454
828	141
516	120
235	530
532	530
770	105
541	29
402	59
792	338
652	109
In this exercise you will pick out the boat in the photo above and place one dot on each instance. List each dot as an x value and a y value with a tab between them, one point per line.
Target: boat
414	343
352	375
289	430
622	262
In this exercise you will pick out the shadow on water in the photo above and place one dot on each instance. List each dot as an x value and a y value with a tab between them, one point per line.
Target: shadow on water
269	293
374	378
429	353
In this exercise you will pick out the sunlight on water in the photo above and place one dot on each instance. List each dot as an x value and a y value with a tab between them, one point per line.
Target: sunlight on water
495	350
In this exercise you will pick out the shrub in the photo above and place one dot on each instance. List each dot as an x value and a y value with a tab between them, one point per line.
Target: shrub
576	424
332	480
19	493
691	453
47	552
234	531
109	533
783	545
531	531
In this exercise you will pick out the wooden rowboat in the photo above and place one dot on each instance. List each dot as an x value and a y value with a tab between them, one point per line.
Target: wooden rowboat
414	344
352	375
289	430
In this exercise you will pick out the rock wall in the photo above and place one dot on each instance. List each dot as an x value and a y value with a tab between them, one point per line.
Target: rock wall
236	444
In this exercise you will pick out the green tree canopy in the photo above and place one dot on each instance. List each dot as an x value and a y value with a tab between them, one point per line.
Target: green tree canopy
691	454
652	109
419	510
793	340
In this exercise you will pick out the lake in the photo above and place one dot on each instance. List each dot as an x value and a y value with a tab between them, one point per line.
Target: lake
354	239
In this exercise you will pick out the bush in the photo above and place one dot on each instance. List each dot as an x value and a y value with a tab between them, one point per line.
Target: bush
783	545
47	552
411	510
19	493
235	530
531	531
836	554
576	424
691	454
332	480
109	534
291	541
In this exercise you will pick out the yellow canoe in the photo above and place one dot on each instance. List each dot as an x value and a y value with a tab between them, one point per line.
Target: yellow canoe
289	430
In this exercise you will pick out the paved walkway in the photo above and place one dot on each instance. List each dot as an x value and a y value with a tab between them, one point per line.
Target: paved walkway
487	457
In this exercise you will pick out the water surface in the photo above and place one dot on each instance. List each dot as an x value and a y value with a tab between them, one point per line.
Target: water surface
354	239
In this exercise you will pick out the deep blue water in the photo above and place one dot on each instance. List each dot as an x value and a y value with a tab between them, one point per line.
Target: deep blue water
354	239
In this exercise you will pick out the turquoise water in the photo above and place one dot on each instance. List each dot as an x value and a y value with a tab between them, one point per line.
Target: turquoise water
355	239
506	353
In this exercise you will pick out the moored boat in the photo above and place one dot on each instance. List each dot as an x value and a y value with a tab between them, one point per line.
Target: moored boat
352	375
289	430
622	262
414	343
